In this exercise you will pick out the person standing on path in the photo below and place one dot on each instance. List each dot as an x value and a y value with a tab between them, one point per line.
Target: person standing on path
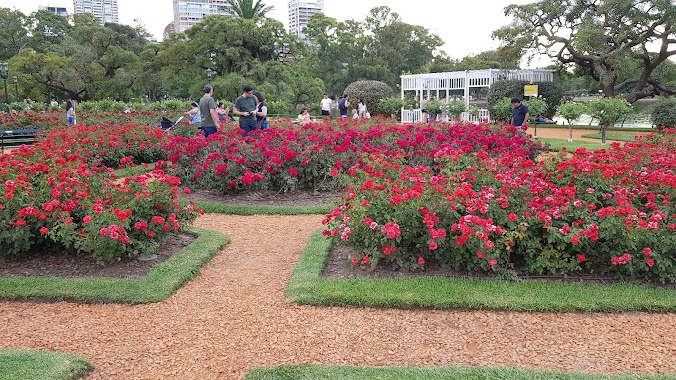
261	112
70	112
361	107
207	108
245	108
343	105
326	105
519	114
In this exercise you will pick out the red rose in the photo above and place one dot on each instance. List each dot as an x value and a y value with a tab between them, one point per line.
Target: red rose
581	258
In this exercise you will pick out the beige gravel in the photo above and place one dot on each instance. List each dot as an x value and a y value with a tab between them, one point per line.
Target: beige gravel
233	318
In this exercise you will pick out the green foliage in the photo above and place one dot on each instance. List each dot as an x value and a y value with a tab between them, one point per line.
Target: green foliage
434	106
248	9
371	92
619	43
664	113
454	108
548	91
391	105
609	111
536	107
571	111
502	110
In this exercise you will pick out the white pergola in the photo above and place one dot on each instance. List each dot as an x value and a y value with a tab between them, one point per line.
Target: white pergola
432	85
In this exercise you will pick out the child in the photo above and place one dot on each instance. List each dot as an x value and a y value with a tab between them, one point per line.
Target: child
355	115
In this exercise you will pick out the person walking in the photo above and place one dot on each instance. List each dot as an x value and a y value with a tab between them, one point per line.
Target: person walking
327	105
207	108
245	108
519	114
70	112
261	112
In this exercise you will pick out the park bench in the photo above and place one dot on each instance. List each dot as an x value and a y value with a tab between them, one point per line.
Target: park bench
16	138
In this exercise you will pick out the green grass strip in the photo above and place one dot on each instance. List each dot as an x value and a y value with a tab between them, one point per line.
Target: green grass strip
325	372
233	209
42	365
591	128
612	136
307	286
556	145
162	280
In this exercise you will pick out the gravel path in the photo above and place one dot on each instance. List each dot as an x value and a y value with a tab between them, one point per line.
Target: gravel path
233	318
563	133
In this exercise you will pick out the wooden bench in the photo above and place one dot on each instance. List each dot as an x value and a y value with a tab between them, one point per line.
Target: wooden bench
14	139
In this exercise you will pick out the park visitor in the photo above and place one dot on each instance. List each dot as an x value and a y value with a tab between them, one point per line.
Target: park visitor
326	105
304	117
261	112
361	107
343	105
194	114
70	112
355	115
245	107
222	112
519	114
207	109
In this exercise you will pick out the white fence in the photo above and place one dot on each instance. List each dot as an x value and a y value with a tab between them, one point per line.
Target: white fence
414	116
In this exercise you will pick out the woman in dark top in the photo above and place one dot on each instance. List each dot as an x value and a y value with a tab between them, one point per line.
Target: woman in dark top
261	111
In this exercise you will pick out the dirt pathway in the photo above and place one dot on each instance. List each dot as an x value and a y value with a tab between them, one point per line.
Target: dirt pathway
232	318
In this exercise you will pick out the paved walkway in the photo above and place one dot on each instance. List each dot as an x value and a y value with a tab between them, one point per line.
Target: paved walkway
233	318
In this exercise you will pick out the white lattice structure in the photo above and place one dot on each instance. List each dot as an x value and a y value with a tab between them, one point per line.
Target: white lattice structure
446	85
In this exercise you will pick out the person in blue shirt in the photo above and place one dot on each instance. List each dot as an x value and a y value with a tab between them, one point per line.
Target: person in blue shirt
519	114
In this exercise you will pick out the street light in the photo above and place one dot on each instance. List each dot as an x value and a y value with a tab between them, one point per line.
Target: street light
16	86
210	74
4	74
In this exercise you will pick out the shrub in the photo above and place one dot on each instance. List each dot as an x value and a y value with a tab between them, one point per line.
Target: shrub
664	113
454	108
52	197
571	111
548	91
536	107
606	212
608	111
371	92
502	110
391	106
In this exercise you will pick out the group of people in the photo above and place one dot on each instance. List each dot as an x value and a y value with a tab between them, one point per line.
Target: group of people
361	112
250	107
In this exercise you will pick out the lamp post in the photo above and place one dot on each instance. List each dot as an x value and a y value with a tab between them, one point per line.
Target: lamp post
16	86
210	74
4	74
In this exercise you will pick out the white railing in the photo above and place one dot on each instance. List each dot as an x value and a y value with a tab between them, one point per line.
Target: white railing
414	116
474	78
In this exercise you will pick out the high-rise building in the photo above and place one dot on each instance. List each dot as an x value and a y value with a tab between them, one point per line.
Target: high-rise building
189	12
104	10
169	30
56	10
300	12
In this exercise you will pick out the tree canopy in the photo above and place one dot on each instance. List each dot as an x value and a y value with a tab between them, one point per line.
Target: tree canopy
249	9
619	43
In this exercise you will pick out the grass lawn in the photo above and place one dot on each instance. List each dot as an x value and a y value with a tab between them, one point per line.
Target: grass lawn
300	372
162	280
612	136
230	209
593	128
555	145
41	365
307	286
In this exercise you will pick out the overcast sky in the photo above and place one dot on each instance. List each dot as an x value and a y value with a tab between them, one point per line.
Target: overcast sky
464	26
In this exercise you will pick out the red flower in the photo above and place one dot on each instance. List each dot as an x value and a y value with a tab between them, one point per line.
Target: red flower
355	261
421	261
512	217
433	246
581	258
650	262
388	249
186	191
87	219
151	234
647	251
575	239
492	262
44	230
293	172
480	254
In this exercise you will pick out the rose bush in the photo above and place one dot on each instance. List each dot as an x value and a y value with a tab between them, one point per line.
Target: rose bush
289	157
604	212
51	196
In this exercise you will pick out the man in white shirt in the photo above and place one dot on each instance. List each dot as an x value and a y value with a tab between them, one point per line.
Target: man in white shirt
326	105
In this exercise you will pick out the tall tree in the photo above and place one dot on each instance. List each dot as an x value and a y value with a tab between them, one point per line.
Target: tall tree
249	9
13	32
604	37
